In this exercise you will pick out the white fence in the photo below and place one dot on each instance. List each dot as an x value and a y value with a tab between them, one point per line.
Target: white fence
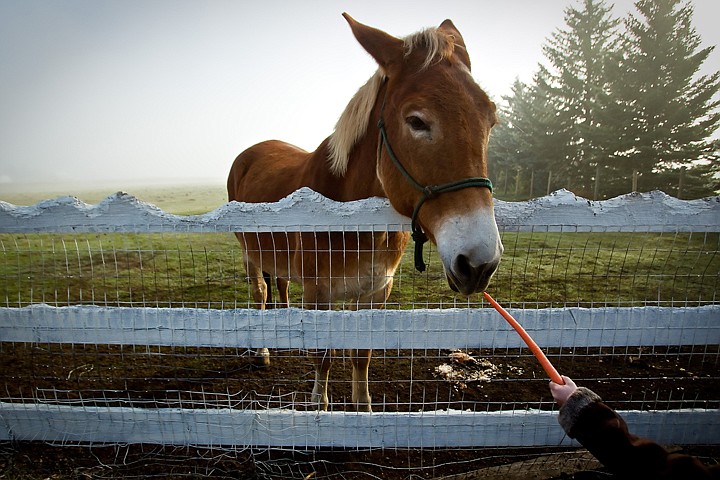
54	418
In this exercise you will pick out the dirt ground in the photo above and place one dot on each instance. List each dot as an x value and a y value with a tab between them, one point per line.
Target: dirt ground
41	461
401	381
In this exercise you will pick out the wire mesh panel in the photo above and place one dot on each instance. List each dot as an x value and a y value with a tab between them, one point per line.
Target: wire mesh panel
539	270
152	336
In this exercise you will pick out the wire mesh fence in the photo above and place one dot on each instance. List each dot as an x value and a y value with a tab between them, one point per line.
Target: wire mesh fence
540	270
613	282
199	270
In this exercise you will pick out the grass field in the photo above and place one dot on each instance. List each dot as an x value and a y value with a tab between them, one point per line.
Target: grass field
188	199
187	269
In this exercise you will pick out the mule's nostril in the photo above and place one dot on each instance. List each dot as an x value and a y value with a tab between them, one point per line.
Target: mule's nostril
468	278
462	267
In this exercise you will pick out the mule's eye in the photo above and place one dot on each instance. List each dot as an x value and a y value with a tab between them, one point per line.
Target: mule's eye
417	124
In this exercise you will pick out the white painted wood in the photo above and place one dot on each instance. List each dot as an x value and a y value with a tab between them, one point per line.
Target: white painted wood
378	329
303	210
303	430
634	212
306	210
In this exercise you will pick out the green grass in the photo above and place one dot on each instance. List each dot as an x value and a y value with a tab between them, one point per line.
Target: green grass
624	269
121	269
189	269
201	270
587	269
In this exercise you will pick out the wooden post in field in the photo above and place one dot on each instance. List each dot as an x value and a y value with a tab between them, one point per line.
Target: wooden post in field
547	191
680	182
532	182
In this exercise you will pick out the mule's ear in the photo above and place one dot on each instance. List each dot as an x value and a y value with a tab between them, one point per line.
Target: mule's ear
387	50
460	50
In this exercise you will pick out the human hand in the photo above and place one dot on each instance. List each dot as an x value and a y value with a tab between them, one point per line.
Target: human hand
562	392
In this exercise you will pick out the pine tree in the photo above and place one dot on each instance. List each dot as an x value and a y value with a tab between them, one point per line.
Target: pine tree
554	133
506	143
525	142
579	58
671	112
509	145
612	112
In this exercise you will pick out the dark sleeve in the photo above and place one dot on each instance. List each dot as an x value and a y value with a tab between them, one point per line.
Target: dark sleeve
605	434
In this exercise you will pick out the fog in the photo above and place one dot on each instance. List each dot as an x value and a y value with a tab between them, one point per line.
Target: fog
121	93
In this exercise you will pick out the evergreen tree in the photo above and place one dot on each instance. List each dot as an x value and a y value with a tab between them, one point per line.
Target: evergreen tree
579	58
525	143
613	112
507	146
671	112
555	134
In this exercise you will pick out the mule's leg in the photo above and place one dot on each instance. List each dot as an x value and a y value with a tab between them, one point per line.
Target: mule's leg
282	286
317	298
361	358
268	290
360	389
323	361
259	289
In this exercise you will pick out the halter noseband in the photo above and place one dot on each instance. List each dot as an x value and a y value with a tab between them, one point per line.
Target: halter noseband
428	191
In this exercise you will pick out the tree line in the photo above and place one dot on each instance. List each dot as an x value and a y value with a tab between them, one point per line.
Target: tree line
619	106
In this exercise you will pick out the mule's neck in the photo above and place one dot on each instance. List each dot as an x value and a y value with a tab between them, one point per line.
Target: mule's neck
360	180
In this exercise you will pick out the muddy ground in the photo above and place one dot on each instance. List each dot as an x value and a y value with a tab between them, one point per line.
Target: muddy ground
628	378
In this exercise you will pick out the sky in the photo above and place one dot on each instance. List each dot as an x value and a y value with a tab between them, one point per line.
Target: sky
128	92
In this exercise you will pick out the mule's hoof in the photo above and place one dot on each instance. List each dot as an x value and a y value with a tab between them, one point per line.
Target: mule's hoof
261	358
319	402
363	407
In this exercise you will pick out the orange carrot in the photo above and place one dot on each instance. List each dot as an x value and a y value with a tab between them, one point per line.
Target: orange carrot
544	362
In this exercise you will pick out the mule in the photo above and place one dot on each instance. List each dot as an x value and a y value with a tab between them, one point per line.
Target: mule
416	133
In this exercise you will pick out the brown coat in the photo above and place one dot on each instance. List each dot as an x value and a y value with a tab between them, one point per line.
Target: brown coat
604	433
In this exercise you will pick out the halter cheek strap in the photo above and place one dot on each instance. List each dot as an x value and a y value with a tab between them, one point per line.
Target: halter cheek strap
428	191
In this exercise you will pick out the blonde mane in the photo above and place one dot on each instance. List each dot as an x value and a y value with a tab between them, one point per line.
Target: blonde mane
352	124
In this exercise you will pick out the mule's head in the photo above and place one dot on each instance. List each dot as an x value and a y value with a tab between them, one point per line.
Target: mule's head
438	121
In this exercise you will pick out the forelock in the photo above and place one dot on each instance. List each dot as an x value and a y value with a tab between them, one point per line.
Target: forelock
438	45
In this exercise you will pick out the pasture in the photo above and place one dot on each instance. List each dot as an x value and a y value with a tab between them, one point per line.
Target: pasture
180	199
205	270
199	269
